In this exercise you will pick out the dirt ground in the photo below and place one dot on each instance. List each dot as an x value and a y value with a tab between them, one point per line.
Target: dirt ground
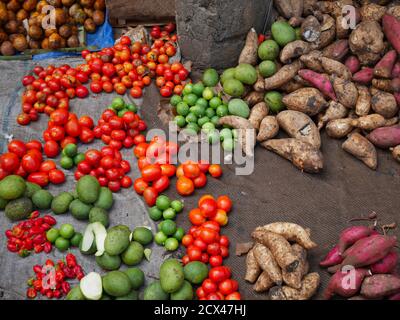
276	191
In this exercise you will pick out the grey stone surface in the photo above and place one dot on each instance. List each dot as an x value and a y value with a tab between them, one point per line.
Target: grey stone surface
212	33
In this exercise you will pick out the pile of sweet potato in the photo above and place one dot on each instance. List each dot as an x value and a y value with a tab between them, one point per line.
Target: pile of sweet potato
277	262
363	264
346	80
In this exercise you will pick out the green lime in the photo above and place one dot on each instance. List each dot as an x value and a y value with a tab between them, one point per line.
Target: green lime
67	231
62	244
198	89
215	121
122	112
202	103
169	214
210	112
190	99
168	227
179	233
182	108
66	162
52	234
267	68
132	107
160	238
225	133
210	77
76	239
213	136
171	244
274	101
180	121
208	127
208	93
198	111
222	110
192	128
70	150
163	202
79	158
203	120
187	89
268	50
143	235
227	144
118	103
215	102
155	213
191	117
175	99
177	206
234	134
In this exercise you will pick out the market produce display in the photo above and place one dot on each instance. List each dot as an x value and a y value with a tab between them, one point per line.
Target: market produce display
16	36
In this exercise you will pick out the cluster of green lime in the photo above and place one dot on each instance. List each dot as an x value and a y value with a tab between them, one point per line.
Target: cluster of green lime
168	235
120	106
64	237
70	156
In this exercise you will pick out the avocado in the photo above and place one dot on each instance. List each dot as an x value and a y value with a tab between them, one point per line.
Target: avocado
233	87
75	294
3	203
42	199
154	291
134	254
210	78
136	276
117	240
88	189
60	203
99	215
116	284
105	200
195	272
19	209
31	188
238	107
184	293
108	262
12	187
246	73
133	295
79	210
171	275
91	251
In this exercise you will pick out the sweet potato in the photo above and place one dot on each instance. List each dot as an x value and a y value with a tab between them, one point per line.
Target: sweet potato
396	70
353	64
362	149
283	75
284	7
392	121
296	21
385	137
294	50
269	128
337	50
309	7
332	66
267	262
383	69
257	113
369	250
363	105
391	28
380	285
291	232
249	52
369	122
307	100
339	128
372	12
259	85
351	235
243	248
300	126
253	98
334	111
318	81
310	29
346	92
302	154
395	297
253	269
276	293
332	258
387	265
341	31
313	61
279	247
345	284
387	85
263	283
364	76
328	31
396	153
293	279
297	7
291	86
385	104
309	287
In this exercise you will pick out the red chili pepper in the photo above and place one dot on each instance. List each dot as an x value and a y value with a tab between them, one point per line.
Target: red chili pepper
45	226
38	222
9	234
29	282
37	284
38	248
35	230
34	214
59	276
49	294
69	273
60	264
65	287
79	276
43	291
28	244
12	247
37	268
47	247
31	293
49	220
49	262
71	260
78	269
57	294
39	239
17	231
23	253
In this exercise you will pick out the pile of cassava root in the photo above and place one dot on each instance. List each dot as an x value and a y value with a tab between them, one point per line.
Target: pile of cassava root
277	262
341	79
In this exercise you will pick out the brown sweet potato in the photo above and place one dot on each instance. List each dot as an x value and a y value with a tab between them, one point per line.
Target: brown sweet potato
341	31
387	85
300	126
291	86
372	12
312	61
335	67
383	69
346	92
369	122
257	114
310	29
294	50
269	128
362	149
284	75
363	105
263	283
284	7
385	104
337	50
253	98
328	32
259	85
293	279
339	128
267	263
279	247
385	137
276	293
249	52
308	288
334	111
396	153
380	285
253	270
302	154
307	100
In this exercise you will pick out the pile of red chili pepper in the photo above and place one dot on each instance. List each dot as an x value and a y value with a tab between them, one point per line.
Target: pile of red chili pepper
51	279
30	235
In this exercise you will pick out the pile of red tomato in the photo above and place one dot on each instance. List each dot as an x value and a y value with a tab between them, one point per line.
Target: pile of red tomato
26	160
64	128
108	166
118	132
204	243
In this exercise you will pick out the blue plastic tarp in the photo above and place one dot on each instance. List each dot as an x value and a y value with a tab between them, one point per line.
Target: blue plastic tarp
102	38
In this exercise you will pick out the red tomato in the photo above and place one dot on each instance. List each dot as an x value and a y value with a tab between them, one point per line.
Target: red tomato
125	40
117	145
96	86
203	165
151	172
108	69
214	249
103	181
108	86
233	296
161	184
126	182
200	181
118	135
218	274
72	128
215	170
136	92
67	141
40	178
212	225
57	133
204	257
150	195
86	121
185	186
224	203
31	163
224	241
86	135
224	252
215	261
81	92
34	144
82	77
187	240
114	186
209	286
18	147
47	166
200	293
113	174
56	176
168	170
140	185
194	253
9	161
208	208
59	117
196	218
23	119
208	235
166	91
51	149
200	244
84	167
93	157
125	166
191	170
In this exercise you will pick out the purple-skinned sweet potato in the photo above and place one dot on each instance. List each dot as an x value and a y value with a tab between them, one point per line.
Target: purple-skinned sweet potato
391	28
364	76
380	285
396	70
319	81
351	235
387	264
353	64
385	137
395	297
345	284
383	69
332	258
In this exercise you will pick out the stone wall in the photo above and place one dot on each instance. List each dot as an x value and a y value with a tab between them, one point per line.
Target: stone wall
212	33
